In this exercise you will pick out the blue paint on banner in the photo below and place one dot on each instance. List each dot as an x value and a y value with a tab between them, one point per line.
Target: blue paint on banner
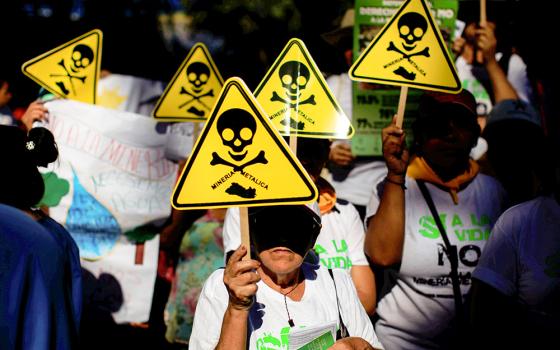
92	226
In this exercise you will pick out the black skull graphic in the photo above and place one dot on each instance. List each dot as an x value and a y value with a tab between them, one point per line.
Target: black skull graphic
82	56
237	128
412	27
198	74
294	76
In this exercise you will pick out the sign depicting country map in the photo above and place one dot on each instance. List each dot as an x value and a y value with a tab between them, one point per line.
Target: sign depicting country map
71	70
409	50
297	99
192	92
240	159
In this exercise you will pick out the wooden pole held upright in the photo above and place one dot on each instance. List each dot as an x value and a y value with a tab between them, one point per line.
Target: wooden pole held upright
483	12
244	227
402	105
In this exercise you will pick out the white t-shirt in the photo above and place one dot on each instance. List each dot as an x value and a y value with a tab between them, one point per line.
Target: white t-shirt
516	75
421	305
340	244
357	187
521	257
268	319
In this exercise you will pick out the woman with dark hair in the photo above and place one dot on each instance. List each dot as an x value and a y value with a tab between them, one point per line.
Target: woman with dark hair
22	187
34	314
432	218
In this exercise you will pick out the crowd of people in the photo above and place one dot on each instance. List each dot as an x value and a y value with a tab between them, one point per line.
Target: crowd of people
423	247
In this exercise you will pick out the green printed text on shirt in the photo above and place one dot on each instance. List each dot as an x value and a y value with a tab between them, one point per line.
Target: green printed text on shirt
334	256
472	228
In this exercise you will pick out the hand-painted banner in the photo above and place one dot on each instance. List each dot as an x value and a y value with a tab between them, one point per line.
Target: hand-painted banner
110	181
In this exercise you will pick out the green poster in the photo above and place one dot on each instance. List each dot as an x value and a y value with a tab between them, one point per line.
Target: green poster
322	343
373	105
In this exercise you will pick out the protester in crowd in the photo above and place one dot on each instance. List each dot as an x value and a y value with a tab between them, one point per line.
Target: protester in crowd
474	73
35	311
352	177
201	253
253	303
423	308
515	154
35	112
22	186
138	96
513	131
516	284
6	116
341	242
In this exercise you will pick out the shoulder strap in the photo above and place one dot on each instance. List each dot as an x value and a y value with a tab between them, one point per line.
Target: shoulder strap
450	250
342	331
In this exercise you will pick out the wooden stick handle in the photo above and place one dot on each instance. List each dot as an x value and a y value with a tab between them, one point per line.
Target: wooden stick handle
483	12
244	227
293	143
402	105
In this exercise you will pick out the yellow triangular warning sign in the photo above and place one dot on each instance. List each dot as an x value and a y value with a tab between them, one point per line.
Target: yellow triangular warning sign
297	99
240	159
70	70
194	89
410	51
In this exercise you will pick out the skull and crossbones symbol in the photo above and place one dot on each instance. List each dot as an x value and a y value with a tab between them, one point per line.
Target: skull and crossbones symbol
82	56
294	76
236	128
198	74
412	27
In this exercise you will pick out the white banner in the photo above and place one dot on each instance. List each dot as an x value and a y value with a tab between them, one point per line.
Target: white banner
111	178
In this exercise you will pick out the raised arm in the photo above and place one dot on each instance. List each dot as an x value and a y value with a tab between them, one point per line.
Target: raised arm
385	233
36	111
241	280
486	42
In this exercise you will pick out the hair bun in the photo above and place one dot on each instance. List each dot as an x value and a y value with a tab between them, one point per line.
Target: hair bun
41	146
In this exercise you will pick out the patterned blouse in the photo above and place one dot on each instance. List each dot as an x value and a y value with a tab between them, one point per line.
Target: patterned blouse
201	253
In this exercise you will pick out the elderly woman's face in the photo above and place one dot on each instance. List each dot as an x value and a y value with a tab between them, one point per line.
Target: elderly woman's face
280	260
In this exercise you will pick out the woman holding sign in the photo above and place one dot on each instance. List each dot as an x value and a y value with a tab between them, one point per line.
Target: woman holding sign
279	300
432	217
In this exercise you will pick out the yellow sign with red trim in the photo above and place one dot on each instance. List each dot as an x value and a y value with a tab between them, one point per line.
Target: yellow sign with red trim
194	89
409	50
71	70
297	99
241	160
